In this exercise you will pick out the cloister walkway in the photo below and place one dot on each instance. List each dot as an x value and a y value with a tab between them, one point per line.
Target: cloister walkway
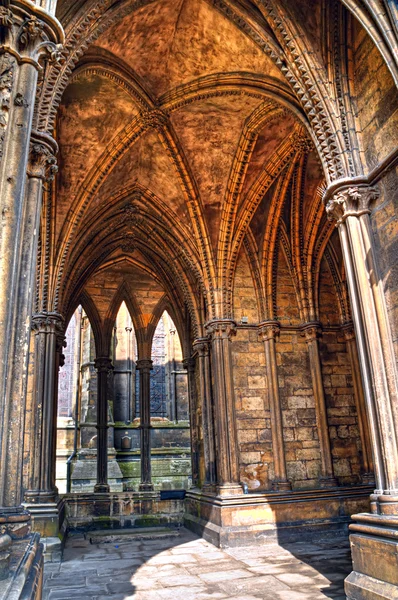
189	568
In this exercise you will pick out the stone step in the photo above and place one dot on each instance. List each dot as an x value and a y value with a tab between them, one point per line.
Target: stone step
107	536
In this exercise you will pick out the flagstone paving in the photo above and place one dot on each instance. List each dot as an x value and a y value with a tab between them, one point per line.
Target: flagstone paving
189	568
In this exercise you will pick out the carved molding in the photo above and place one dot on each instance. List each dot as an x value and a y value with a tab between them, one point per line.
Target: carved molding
351	201
268	330
221	329
311	331
103	364
42	162
144	364
349	331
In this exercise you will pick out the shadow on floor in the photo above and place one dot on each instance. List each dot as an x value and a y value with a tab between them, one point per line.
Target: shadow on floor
189	568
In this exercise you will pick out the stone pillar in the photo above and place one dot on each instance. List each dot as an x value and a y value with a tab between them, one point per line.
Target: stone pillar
27	35
311	331
201	346
103	365
268	331
227	454
189	364
40	498
372	535
144	366
367	460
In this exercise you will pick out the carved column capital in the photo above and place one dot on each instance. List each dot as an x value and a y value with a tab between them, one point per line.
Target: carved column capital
30	34
189	364
350	201
42	162
349	331
48	322
220	328
201	346
103	364
268	330
311	331
144	364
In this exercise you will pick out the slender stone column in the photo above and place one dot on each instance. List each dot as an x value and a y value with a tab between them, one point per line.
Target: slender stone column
189	364
373	534
268	331
47	327
227	453
311	331
367	461
201	346
27	35
103	365
144	366
350	207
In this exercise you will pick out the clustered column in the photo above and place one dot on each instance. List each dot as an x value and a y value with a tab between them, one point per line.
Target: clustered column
144	366
220	332
28	34
268	331
312	331
350	207
103	365
201	347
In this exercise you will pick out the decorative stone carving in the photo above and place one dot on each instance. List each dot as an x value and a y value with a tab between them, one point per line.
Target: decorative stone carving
351	201
311	331
128	244
221	328
7	73
6	17
32	29
268	330
42	162
155	119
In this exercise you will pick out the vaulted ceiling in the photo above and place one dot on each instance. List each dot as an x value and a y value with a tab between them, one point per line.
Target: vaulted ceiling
182	146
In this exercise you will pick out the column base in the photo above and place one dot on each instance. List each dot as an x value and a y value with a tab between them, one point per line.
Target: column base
146	487
328	482
101	488
374	551
45	518
209	488
229	489
281	486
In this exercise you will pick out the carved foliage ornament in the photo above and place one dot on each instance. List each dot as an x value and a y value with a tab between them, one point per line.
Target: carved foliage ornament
311	331
221	329
154	119
42	162
6	17
268	330
351	201
7	74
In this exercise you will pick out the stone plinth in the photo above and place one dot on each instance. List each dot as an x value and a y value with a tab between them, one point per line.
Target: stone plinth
374	549
120	510
252	518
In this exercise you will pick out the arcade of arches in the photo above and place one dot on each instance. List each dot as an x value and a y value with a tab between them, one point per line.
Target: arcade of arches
199	277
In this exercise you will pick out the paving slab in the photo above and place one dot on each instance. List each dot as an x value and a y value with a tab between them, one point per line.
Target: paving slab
189	568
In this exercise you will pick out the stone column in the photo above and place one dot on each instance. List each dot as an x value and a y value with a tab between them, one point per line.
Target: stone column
227	453
103	365
27	35
189	364
372	535
144	366
40	498
201	346
268	331
367	461
350	206
311	331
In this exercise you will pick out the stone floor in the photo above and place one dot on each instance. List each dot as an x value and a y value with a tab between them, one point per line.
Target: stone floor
190	568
